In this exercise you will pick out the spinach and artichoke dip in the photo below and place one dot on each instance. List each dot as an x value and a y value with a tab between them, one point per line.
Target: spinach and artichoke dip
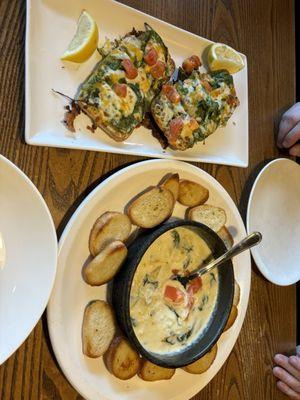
166	316
118	92
191	109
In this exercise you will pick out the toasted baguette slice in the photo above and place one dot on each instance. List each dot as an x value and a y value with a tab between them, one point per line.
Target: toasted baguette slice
108	227
151	208
232	317
237	293
211	216
121	359
192	194
226	236
171	182
106	264
98	328
151	372
202	365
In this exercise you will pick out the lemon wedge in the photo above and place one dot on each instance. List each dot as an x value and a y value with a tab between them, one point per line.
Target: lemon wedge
85	41
221	56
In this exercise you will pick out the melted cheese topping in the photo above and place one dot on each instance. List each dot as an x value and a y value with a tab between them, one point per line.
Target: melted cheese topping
115	76
142	80
113	106
133	46
160	325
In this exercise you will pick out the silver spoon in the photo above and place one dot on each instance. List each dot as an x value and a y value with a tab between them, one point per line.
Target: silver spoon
249	241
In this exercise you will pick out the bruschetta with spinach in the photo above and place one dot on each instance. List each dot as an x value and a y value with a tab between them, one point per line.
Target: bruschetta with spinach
191	109
120	89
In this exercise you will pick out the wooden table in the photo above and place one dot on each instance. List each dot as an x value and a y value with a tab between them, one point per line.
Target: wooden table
264	31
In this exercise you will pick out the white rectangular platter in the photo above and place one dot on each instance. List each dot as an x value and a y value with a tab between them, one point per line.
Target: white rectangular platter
51	25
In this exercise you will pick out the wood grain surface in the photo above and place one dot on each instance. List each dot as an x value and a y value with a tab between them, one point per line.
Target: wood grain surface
264	31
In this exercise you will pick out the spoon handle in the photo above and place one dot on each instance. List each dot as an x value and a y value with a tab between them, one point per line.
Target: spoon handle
249	241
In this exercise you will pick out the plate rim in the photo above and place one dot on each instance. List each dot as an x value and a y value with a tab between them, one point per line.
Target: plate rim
189	392
255	251
55	250
241	162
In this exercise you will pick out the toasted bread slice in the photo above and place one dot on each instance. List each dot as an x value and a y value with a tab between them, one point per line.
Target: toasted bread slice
151	207
171	182
192	194
237	293
151	372
226	236
232	317
211	216
98	328
109	227
121	359
202	365
106	264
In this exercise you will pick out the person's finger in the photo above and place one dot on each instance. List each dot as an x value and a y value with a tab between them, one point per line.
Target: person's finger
292	136
284	362
288	391
295	361
289	119
287	378
295	150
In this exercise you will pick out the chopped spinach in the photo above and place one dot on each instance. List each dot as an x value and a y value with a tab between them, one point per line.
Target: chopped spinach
133	321
208	110
172	309
182	75
184	336
212	278
204	301
221	76
181	89
188	249
113	63
170	340
176	238
198	135
148	281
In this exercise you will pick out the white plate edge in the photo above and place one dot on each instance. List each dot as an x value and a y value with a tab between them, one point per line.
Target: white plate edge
52	227
241	315
254	251
243	163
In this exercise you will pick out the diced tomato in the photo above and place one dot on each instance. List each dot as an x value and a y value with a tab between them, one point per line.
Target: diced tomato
193	124
191	63
176	126
120	89
207	86
232	101
194	285
173	294
196	60
158	70
130	71
171	93
151	56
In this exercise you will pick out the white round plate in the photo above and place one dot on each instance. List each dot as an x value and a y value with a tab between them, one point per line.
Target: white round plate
274	210
27	273
71	294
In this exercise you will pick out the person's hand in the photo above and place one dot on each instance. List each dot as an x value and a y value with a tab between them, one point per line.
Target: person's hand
287	371
289	130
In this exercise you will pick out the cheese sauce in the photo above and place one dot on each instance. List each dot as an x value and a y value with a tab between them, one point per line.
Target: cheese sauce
166	316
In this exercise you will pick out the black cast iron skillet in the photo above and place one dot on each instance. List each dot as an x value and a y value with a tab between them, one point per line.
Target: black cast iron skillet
121	296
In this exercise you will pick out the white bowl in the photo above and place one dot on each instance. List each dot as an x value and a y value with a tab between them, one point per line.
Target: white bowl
28	265
274	210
